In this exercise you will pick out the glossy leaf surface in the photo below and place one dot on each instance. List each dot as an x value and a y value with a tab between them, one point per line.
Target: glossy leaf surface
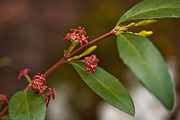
153	9
108	87
147	64
27	106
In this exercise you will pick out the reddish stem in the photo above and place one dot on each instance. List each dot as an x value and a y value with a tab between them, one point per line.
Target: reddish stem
27	88
6	101
64	59
91	42
4	111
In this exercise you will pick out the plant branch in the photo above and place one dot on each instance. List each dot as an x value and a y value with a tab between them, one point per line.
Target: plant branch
3	111
92	42
27	87
65	58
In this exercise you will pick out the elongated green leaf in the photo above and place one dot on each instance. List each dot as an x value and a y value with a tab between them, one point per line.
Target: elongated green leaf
152	9
145	61
108	87
27	106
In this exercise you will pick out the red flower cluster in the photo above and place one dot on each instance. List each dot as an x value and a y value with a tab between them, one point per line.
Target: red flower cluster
48	96
38	85
77	34
91	63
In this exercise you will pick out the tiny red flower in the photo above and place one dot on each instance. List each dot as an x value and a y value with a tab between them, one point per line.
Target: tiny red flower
42	78
77	34
25	71
52	92
38	84
91	63
3	98
49	95
47	102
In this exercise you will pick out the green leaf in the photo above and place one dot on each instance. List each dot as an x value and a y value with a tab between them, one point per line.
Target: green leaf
145	61
27	106
108	87
5	61
153	9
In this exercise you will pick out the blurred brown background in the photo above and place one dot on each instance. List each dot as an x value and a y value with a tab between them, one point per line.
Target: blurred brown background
31	34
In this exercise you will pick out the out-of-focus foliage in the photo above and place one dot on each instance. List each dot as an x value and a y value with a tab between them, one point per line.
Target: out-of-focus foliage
5	61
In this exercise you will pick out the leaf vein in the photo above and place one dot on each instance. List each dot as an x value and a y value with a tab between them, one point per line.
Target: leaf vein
149	10
27	105
108	89
146	63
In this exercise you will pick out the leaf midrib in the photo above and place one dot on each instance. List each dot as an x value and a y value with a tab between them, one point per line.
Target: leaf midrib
146	62
27	105
147	11
109	90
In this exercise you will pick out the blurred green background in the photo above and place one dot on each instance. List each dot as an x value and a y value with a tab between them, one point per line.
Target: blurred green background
31	34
